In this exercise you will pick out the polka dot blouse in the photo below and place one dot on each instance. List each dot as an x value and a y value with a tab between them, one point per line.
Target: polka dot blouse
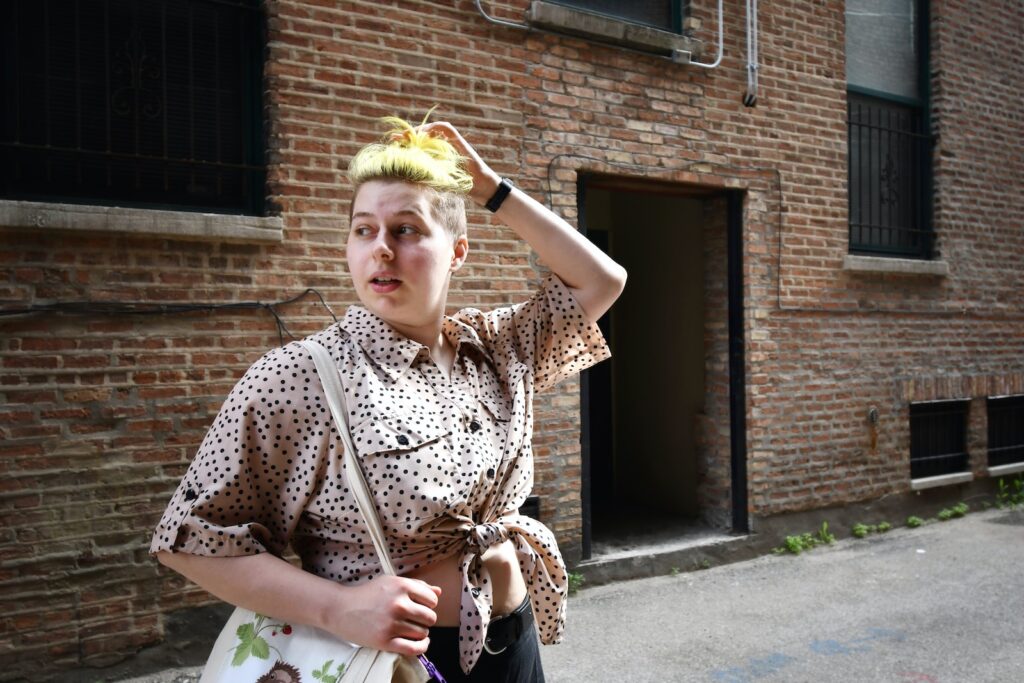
448	459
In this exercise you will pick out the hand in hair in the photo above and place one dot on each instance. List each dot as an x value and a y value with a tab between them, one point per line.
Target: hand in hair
485	180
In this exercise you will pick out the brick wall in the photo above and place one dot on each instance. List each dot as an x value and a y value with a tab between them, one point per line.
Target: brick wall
101	414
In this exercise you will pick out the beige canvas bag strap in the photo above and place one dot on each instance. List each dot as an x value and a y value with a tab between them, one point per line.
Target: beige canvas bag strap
331	380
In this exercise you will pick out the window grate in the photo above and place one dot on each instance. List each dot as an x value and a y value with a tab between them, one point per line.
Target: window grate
938	438
888	155
1005	430
666	15
152	104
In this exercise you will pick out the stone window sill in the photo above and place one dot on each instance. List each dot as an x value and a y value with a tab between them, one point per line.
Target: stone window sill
903	266
1002	470
562	19
941	480
143	222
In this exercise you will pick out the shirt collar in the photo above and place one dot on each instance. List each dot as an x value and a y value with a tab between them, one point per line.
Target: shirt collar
392	351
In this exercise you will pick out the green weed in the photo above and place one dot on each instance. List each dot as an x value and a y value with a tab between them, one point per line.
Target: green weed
800	543
576	581
1010	496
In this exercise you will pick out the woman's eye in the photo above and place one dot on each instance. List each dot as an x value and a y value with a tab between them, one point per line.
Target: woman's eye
406	230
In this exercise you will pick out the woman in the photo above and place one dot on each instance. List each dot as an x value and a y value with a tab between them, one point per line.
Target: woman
441	416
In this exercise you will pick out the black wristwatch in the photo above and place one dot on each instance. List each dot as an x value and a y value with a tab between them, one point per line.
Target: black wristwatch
504	188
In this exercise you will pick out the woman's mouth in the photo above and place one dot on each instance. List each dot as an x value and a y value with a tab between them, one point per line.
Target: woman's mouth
383	285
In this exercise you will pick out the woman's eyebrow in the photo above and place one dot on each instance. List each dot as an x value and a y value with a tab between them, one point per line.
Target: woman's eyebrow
401	212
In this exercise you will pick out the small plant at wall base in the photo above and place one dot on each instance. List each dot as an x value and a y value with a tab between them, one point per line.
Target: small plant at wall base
798	544
576	581
862	530
958	510
913	521
1010	495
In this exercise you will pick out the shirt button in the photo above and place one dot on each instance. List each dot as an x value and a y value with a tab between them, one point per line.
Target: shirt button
490	472
474	426
191	495
403	440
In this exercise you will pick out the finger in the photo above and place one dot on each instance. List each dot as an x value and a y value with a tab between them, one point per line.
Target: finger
417	614
423	593
409	648
411	631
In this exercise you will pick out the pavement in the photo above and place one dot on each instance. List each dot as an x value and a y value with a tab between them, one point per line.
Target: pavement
942	603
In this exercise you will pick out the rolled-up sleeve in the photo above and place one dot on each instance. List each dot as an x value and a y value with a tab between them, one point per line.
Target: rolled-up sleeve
550	334
258	465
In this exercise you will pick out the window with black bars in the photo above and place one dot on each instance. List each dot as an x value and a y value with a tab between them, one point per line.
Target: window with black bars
938	438
666	15
154	104
1005	430
889	141
888	156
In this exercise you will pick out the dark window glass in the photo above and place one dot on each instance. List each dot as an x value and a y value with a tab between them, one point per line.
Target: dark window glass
883	49
888	138
663	14
1005	430
152	103
938	438
887	157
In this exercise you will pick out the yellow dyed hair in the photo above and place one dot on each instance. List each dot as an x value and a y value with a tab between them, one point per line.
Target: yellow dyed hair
410	155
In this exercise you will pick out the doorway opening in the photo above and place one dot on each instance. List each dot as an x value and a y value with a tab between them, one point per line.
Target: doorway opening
656	418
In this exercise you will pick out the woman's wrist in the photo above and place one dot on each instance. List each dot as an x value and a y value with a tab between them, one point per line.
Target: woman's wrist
484	187
332	613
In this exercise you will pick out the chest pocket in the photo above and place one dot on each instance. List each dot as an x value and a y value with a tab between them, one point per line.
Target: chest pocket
408	463
396	434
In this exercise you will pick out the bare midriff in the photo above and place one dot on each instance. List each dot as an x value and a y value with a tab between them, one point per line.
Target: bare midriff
509	588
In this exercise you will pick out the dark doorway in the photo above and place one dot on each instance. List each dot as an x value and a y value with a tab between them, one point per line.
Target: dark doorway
642	410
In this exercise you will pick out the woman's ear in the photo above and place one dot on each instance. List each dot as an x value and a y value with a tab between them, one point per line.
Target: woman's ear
461	252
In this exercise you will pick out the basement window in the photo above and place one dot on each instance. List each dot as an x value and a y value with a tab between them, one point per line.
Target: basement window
651	26
938	438
666	15
1005	430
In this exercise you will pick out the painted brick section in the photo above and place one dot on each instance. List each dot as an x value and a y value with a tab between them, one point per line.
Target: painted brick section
101	414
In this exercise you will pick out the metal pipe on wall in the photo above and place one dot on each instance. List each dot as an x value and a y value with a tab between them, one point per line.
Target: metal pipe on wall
750	96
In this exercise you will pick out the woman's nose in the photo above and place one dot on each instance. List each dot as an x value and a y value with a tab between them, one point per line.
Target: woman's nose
382	250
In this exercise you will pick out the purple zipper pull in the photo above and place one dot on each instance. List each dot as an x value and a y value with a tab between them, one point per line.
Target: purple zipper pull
435	675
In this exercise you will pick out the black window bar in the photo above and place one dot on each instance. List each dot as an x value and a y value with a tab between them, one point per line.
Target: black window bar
938	438
888	174
1005	430
154	103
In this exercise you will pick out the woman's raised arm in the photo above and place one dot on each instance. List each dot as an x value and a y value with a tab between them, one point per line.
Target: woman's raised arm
593	277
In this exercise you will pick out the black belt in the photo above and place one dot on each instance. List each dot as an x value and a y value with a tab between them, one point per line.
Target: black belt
505	630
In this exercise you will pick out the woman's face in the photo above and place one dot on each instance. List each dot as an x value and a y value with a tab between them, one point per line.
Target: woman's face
400	258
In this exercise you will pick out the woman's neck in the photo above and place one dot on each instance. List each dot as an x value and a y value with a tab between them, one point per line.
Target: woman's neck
441	350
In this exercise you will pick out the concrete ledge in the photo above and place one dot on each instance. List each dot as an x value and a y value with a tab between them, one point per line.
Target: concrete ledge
660	560
942	480
142	222
904	266
1012	468
562	19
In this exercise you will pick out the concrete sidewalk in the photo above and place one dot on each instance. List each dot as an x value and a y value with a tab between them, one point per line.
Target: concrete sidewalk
937	604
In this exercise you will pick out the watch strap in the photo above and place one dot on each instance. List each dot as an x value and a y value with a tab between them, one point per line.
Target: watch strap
495	202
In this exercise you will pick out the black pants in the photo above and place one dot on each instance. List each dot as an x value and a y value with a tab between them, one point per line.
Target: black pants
518	663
